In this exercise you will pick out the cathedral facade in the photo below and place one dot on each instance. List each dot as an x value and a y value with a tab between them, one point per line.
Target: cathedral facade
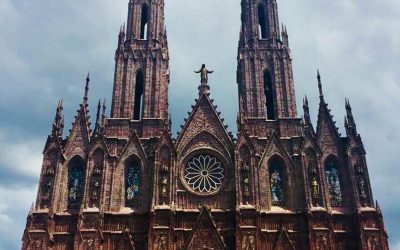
278	184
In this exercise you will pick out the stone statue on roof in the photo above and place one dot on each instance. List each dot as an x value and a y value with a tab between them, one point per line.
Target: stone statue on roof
204	74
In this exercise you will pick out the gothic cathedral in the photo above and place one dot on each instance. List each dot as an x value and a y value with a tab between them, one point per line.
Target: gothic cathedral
279	184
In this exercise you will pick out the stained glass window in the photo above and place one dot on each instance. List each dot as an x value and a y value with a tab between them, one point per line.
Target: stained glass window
276	183
132	182
204	174
333	182
75	184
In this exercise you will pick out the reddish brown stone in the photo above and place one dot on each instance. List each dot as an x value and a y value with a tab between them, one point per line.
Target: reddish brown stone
239	210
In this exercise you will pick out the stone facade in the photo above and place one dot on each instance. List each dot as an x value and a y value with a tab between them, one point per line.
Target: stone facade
280	184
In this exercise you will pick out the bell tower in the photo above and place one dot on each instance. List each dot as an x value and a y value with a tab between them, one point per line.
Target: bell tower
141	78
264	72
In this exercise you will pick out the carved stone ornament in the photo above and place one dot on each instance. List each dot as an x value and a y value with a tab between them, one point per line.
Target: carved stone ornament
204	174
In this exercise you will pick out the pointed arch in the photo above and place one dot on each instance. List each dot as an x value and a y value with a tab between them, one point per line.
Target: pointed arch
133	176
144	20
269	97
277	181
76	182
262	21
333	181
138	101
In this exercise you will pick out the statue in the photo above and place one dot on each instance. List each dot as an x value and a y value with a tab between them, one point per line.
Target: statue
204	74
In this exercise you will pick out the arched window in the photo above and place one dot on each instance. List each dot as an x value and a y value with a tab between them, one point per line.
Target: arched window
144	22
276	179
132	182
137	113
333	183
76	183
269	99
262	22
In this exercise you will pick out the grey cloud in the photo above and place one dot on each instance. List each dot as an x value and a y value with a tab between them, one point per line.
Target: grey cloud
48	46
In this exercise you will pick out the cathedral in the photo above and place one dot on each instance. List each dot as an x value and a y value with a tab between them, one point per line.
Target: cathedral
278	184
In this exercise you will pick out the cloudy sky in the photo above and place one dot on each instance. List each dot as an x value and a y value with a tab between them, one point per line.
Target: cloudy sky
47	47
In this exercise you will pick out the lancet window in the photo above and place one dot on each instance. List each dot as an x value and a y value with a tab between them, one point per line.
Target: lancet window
333	183
276	179
262	22
269	97
76	179
132	183
138	95
144	22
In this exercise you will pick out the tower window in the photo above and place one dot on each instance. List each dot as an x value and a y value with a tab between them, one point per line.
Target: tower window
138	95
144	22
269	98
262	22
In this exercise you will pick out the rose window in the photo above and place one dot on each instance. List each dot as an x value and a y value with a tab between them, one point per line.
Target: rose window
204	174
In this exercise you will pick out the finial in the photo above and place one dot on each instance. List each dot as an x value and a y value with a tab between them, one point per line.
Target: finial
350	124
85	98
97	127
103	113
98	111
321	93
57	124
307	118
305	101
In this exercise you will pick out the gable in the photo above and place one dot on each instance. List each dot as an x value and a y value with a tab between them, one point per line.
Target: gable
133	147
327	133
79	139
205	234
203	117
283	242
126	243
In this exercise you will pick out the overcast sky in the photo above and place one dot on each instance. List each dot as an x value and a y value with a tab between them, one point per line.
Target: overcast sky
47	47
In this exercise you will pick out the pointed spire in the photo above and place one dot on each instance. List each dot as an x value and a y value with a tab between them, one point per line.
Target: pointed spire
58	120
307	118
98	121
85	97
103	113
350	124
321	93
